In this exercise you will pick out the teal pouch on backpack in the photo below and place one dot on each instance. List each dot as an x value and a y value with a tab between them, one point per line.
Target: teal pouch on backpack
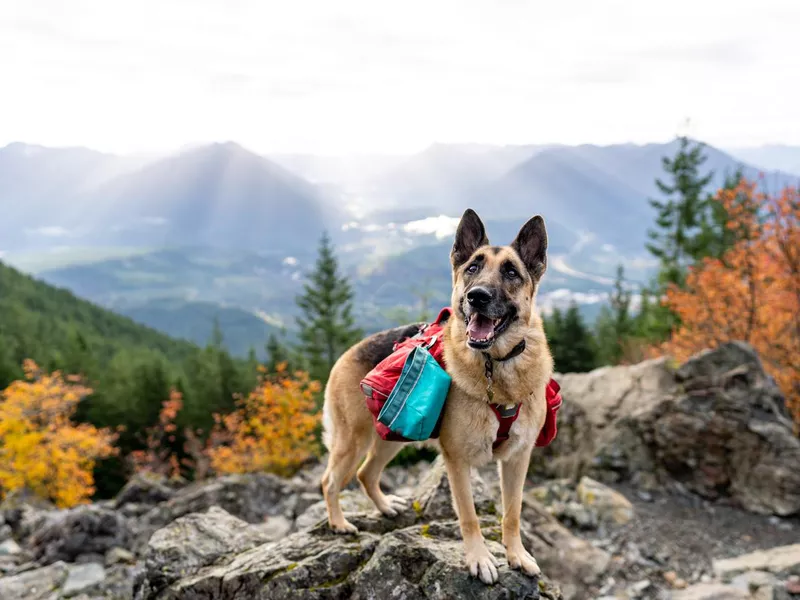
415	404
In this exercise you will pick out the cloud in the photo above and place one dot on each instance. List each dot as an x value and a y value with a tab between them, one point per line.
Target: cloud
355	75
441	226
49	231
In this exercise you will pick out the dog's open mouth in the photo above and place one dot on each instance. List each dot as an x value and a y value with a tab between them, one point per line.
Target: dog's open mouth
482	330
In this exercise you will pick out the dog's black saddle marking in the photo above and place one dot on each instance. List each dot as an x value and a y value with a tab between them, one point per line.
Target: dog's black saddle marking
380	345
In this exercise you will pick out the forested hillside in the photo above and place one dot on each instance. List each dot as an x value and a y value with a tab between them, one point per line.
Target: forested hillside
130	368
59	330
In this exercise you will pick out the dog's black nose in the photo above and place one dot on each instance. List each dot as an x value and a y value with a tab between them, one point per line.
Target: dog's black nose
479	297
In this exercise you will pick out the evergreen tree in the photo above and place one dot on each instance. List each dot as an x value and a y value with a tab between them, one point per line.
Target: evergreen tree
279	351
571	342
615	324
680	234
326	326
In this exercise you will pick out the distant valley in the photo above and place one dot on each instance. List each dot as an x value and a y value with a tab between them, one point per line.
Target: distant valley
220	233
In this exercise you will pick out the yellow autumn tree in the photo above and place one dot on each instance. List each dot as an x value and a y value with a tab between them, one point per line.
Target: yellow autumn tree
752	293
272	430
40	447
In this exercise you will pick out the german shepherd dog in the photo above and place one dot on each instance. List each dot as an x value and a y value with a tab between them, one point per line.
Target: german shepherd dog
493	301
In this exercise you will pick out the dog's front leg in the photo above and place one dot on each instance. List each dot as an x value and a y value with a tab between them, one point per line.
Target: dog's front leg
512	480
480	561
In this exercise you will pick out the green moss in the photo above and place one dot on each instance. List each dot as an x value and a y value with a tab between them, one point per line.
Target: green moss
541	585
425	531
292	567
417	507
491	508
493	535
330	584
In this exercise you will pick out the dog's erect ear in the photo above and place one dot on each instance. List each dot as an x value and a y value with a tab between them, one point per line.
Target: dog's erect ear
531	245
470	236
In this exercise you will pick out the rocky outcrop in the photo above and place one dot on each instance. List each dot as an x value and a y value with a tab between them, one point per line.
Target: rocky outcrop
418	554
716	426
257	536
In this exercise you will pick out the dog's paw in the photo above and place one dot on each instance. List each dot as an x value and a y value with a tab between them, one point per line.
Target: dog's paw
344	527
482	564
522	559
392	505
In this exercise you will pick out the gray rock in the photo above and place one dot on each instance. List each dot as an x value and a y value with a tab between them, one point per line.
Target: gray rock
81	578
85	530
249	497
574	563
10	548
185	546
611	506
718	426
783	560
433	499
145	489
711	591
38	584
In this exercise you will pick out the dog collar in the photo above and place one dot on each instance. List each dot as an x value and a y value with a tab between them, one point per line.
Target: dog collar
489	365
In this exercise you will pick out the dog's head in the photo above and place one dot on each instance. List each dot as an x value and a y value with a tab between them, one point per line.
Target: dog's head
494	286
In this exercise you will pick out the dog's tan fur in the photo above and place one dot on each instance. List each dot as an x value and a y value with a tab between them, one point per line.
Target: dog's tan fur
469	426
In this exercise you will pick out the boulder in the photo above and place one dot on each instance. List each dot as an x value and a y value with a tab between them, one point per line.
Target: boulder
576	564
784	560
611	506
82	577
85	530
200	539
251	497
717	426
38	584
585	506
145	489
712	591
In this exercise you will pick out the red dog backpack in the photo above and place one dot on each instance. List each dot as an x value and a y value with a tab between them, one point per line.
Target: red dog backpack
405	392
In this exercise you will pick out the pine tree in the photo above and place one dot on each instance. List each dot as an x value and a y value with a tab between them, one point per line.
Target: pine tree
571	343
685	228
326	326
615	325
279	351
680	236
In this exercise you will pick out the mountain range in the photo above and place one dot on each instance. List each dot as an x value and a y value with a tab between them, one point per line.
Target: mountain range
219	231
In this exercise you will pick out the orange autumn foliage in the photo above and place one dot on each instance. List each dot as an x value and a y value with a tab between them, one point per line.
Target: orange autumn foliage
752	293
40	447
158	457
272	430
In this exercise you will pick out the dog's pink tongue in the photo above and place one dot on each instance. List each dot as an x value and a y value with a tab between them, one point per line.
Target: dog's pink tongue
480	327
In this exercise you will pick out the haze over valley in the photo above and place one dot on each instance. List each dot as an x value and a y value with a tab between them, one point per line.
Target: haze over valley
218	231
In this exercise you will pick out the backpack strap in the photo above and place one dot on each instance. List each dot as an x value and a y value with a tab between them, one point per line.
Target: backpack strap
506	415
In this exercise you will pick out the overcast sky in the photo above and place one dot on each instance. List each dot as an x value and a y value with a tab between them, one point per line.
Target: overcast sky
338	76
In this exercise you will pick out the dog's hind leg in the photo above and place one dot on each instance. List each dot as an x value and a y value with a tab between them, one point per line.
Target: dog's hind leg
369	476
512	480
346	452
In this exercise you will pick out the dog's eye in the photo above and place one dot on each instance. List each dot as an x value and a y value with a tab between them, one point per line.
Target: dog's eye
473	268
510	271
